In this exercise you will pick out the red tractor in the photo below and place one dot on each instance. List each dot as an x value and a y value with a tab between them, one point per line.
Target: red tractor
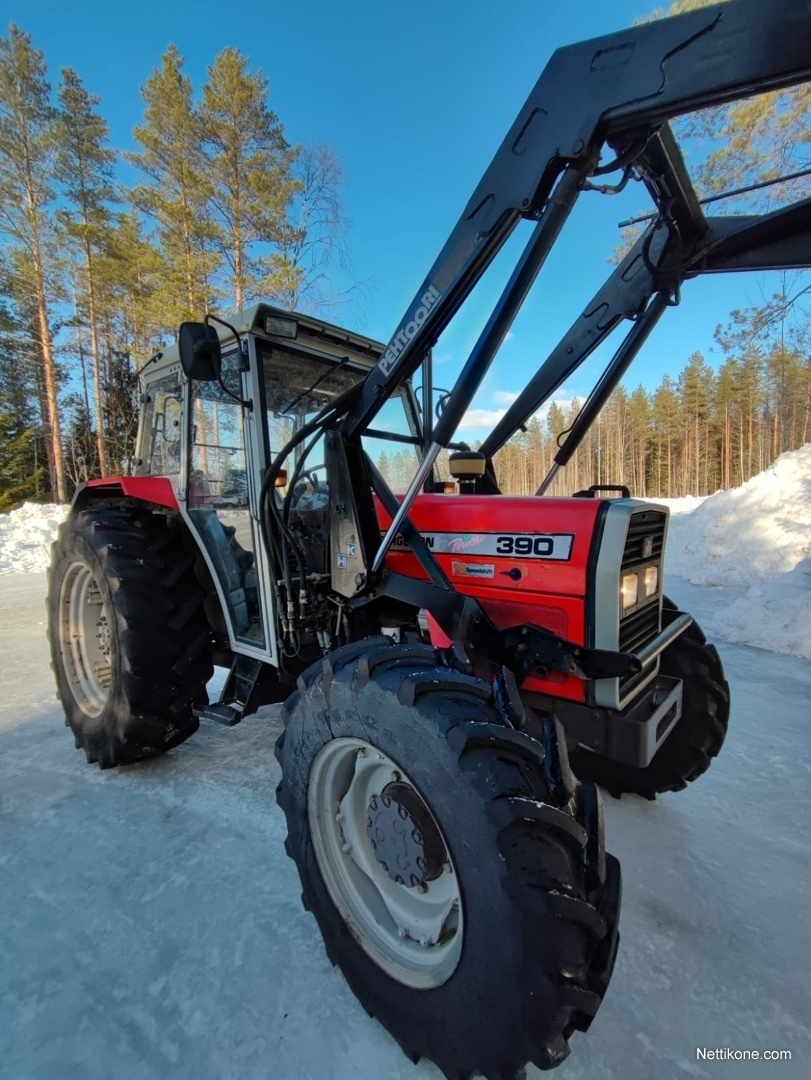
457	666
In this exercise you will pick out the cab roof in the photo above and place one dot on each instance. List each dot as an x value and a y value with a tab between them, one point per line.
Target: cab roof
311	332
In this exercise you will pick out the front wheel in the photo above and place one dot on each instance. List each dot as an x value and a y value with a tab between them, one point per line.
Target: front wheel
697	736
455	867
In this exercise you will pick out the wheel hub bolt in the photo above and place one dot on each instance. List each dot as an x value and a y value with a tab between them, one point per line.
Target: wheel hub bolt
403	836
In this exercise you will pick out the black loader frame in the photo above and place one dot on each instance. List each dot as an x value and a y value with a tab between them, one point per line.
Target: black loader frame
618	92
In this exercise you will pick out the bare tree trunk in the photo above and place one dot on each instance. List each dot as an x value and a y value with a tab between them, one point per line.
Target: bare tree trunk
53	428
189	277
239	284
101	445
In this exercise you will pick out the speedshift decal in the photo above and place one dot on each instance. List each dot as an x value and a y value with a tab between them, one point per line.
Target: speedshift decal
473	570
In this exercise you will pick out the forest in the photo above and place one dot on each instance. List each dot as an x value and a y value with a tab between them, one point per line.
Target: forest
701	432
103	253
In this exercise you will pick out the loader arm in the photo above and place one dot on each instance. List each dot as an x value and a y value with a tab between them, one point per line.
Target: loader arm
618	89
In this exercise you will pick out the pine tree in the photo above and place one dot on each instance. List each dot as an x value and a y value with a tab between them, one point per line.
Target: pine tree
23	474
133	273
696	386
726	407
249	165
639	410
85	168
176	194
27	145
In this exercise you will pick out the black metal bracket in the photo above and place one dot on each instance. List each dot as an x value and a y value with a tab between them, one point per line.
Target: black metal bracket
524	650
631	735
591	492
531	650
250	683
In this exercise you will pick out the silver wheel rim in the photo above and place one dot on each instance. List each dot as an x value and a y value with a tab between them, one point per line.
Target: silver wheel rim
84	639
413	934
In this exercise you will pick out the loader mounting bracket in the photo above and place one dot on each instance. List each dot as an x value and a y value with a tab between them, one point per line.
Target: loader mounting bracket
524	650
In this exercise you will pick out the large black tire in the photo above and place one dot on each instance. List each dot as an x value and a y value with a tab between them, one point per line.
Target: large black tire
540	897
122	578
695	740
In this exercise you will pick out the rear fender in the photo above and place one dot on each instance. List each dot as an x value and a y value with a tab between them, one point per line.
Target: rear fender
152	490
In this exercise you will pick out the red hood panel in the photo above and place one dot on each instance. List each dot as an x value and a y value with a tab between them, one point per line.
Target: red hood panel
547	540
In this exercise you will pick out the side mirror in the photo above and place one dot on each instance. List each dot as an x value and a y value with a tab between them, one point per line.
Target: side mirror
200	353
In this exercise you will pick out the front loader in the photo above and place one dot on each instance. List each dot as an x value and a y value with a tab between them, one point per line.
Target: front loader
457	666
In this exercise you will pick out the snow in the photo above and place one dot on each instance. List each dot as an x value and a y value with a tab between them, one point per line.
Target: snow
26	535
151	922
757	538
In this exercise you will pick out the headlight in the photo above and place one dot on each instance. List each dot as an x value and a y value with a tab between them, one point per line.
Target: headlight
629	590
651	580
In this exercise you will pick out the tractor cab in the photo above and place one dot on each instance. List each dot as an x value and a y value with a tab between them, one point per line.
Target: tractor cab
214	432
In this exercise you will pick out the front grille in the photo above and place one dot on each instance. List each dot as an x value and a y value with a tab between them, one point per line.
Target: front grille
648	523
640	627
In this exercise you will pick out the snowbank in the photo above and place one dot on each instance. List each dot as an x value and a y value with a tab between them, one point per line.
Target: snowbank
685	505
757	536
26	535
750	533
775	615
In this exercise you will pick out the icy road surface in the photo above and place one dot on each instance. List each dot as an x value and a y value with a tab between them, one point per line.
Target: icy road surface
150	923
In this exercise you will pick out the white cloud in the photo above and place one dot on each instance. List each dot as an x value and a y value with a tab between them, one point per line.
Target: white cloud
483	420
504	398
478	419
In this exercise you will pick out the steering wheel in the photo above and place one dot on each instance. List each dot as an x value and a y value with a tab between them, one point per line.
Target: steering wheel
311	475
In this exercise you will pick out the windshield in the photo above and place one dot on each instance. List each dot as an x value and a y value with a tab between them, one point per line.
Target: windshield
298	385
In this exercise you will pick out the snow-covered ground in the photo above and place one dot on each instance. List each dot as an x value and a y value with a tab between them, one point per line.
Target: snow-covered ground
150	923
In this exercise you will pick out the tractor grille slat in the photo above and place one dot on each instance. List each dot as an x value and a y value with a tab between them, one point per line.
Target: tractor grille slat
640	627
648	524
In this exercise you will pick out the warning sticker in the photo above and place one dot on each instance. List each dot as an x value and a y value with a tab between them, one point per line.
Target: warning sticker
473	570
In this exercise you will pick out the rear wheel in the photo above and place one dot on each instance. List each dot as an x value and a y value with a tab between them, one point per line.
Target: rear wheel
695	740
130	644
455	867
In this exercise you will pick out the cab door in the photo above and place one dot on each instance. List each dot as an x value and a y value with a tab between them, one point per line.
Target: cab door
220	502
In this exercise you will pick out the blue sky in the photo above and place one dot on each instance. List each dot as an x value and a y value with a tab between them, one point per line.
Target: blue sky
415	100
